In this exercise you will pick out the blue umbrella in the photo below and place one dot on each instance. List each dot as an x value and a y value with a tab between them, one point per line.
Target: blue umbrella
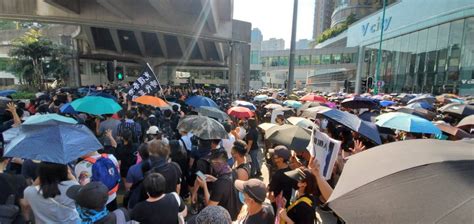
199	101
292	103
7	92
67	109
420	105
407	122
96	105
241	103
42	119
353	122
50	141
428	98
386	103
103	94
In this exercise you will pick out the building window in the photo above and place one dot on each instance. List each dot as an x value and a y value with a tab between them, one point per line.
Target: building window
325	59
283	61
304	60
346	58
315	59
336	58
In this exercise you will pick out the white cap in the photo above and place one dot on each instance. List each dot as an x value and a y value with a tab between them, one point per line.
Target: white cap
153	130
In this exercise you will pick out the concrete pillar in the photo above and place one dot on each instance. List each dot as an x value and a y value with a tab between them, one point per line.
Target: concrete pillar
360	69
239	68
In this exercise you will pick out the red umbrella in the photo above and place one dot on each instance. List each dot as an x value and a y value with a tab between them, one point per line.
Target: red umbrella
240	112
314	98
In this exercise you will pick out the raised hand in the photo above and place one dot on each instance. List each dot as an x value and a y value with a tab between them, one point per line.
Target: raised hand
358	147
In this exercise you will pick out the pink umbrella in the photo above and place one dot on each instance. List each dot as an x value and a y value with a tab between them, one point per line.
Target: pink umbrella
313	98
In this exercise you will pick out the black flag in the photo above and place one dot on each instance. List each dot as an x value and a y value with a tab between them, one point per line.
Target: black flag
146	84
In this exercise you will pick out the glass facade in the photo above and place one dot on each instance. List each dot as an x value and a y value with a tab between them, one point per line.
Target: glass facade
307	60
435	60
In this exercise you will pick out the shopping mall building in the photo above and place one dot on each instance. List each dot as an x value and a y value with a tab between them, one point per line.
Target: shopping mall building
427	47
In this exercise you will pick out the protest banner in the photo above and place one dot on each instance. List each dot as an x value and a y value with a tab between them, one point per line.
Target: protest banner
325	150
146	84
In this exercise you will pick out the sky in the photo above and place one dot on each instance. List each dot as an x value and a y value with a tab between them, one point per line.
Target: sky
273	17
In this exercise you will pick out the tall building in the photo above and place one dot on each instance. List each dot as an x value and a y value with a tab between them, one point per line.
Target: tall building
302	44
255	62
358	8
322	16
256	35
273	44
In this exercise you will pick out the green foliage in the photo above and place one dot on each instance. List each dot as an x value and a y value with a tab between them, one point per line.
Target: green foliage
334	31
23	95
34	58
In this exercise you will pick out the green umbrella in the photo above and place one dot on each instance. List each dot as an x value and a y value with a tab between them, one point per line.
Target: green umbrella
96	105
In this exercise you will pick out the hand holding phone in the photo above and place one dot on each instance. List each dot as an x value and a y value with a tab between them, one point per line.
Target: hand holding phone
201	175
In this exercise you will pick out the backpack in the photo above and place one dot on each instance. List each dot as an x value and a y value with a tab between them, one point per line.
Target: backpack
136	133
9	212
105	171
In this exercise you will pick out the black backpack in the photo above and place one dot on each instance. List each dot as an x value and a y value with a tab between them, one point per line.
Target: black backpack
9	212
136	133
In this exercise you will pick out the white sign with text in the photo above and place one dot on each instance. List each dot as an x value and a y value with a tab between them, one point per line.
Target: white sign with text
325	150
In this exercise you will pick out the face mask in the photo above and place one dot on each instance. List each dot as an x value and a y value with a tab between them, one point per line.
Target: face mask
241	197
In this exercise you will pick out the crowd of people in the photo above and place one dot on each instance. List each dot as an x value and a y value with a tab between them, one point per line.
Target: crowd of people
150	171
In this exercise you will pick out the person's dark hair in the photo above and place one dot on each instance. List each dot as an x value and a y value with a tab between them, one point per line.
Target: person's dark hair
311	184
227	127
42	109
240	147
175	108
219	156
129	114
215	141
154	184
204	144
21	105
167	113
51	175
143	151
252	123
241	123
127	135
177	152
108	115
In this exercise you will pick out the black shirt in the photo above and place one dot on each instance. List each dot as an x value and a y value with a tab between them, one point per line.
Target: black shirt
223	191
264	216
127	156
163	211
252	135
302	212
170	170
11	184
281	182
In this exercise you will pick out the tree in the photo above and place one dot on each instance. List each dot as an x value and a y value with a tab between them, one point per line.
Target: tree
35	57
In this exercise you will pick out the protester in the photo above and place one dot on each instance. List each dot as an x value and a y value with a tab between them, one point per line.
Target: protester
240	129
228	143
253	193
212	215
91	200
252	147
47	196
279	182
159	207
109	124
135	173
241	168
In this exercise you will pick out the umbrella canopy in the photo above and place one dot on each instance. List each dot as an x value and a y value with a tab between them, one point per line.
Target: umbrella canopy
313	98
7	92
273	106
241	103
428	98
151	100
240	112
407	122
47	119
368	116
199	101
96	105
293	137
313	111
301	122
51	141
354	123
260	98
386	103
103	94
457	109
420	105
358	102
426	114
202	127
453	131
67	109
414	181
266	126
404	98
212	112
310	105
466	123
292	103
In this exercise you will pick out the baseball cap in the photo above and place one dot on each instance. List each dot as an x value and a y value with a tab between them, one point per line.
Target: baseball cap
281	151
255	188
153	130
93	195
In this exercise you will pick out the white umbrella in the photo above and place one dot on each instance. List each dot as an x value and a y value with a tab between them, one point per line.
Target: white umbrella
301	122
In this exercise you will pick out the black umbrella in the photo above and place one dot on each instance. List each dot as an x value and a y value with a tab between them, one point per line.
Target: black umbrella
414	181
358	102
203	127
367	129
457	109
426	114
368	116
291	136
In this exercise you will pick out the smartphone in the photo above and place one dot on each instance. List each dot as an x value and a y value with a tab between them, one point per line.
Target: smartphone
201	175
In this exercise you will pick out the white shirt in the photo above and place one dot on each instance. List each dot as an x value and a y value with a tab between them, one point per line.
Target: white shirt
83	172
227	144
242	133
